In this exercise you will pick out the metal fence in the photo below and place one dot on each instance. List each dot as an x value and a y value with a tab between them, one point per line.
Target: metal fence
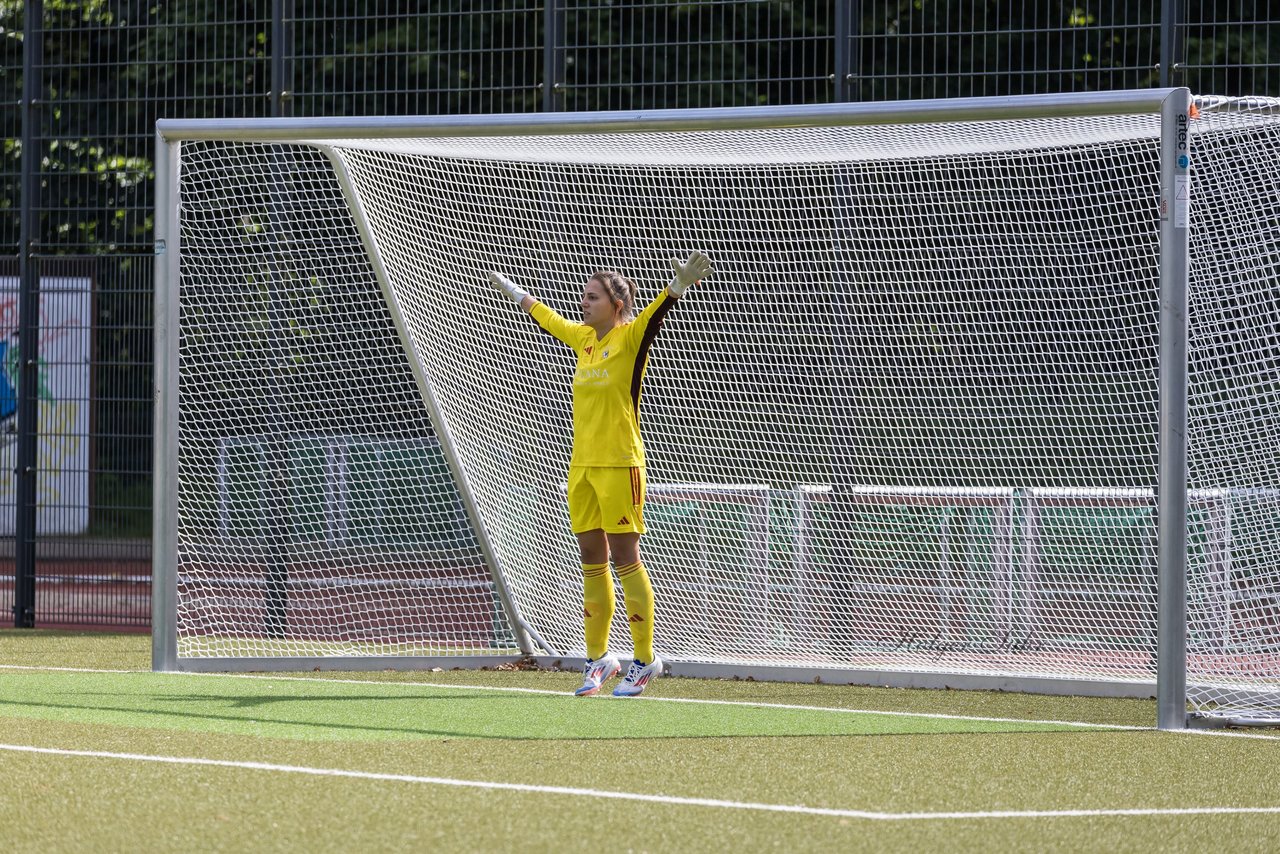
90	78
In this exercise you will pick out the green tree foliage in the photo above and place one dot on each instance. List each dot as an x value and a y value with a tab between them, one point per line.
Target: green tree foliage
112	68
962	48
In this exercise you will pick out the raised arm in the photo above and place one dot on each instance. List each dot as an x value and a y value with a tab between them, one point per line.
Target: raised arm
697	268
517	294
647	322
572	334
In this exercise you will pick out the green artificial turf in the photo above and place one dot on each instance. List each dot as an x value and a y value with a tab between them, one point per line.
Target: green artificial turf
521	728
333	710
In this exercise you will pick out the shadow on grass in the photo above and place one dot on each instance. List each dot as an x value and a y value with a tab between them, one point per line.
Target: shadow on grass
506	724
265	703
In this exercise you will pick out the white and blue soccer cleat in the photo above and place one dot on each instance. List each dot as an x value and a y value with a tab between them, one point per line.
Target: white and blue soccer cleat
595	672
638	676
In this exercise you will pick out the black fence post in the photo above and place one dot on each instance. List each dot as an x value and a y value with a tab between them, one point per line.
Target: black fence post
552	57
25	467
844	55
279	519
281	57
1170	42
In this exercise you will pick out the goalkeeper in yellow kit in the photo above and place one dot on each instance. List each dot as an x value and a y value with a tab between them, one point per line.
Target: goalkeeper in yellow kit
606	471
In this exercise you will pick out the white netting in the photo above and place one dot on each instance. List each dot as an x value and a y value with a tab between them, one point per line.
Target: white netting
1233	666
317	516
909	424
912	322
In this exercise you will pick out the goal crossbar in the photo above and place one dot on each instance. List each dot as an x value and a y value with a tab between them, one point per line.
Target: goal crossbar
999	108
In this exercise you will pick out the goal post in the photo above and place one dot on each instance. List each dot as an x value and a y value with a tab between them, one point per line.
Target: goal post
1171	480
933	421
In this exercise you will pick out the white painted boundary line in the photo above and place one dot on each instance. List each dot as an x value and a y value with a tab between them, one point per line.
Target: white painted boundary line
606	698
668	800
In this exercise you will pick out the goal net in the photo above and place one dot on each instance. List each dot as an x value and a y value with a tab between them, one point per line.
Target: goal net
907	433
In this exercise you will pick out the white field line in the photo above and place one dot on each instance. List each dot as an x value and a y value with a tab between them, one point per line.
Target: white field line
669	800
652	699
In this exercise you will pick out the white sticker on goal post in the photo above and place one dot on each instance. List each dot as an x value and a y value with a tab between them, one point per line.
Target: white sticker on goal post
1181	200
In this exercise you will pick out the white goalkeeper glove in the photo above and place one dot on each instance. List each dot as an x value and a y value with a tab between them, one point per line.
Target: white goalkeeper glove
508	287
698	267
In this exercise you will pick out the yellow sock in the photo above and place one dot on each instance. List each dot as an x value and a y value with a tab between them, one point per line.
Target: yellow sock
597	607
638	593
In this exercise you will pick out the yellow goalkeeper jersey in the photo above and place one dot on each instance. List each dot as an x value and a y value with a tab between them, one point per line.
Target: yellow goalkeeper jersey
606	383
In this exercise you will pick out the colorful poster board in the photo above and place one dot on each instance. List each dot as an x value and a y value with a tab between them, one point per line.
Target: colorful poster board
62	482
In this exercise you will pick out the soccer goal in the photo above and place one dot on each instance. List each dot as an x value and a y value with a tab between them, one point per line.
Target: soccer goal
981	394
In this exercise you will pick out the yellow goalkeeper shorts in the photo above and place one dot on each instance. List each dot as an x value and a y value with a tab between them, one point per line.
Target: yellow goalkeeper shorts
606	497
